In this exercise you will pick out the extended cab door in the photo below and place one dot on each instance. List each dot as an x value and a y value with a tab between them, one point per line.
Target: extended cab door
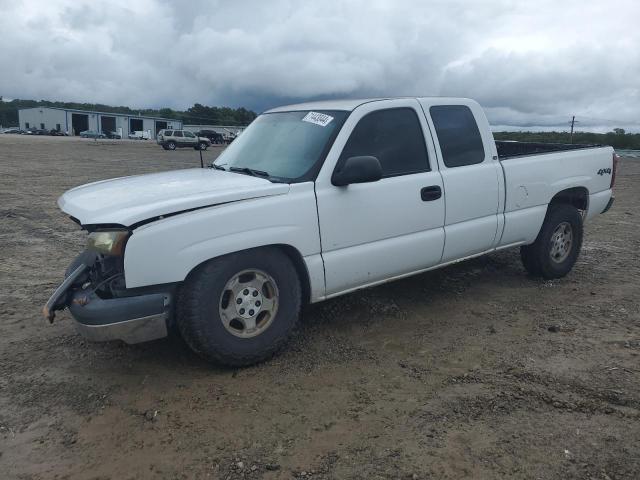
374	231
472	177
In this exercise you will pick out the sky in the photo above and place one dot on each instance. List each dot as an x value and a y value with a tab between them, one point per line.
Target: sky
531	65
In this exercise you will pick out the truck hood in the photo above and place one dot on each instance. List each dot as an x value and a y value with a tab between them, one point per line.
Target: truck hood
129	200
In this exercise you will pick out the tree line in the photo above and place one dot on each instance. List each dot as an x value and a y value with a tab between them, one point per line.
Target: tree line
197	114
617	138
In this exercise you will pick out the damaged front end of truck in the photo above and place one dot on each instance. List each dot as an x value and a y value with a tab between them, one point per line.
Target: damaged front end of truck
94	291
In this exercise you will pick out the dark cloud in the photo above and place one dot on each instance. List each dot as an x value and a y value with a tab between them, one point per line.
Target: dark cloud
529	64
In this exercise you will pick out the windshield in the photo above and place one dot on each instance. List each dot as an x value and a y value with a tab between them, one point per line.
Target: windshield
284	145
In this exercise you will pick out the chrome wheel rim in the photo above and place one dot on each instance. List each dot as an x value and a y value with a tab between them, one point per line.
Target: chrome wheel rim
561	242
248	303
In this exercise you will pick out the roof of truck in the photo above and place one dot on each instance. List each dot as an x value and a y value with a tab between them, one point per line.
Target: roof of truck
345	104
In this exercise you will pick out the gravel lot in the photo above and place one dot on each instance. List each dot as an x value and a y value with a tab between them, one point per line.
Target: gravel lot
472	371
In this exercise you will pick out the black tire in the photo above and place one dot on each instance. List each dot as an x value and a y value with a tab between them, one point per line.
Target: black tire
537	258
198	308
165	147
171	145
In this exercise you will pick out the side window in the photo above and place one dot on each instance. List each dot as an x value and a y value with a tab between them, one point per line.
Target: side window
458	134
26	125
177	133
167	133
189	135
394	137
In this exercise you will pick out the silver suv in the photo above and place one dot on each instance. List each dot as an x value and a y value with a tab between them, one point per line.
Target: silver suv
172	139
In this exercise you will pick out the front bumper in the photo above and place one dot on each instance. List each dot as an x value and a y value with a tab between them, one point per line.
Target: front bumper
132	319
137	319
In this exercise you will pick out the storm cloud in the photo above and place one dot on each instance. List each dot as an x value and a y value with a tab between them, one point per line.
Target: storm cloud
528	63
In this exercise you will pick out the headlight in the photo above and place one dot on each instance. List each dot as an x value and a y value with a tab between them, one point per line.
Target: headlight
108	243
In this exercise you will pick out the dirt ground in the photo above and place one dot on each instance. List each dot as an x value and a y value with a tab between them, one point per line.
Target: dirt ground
472	371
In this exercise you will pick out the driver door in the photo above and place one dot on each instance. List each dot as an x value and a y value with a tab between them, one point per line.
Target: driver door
371	232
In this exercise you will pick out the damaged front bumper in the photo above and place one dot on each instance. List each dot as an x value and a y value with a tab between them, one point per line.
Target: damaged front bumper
131	318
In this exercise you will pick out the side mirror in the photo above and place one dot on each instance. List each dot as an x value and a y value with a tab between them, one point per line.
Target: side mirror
357	170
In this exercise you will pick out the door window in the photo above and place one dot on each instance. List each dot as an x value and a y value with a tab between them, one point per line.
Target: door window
177	133
394	137
189	135
458	134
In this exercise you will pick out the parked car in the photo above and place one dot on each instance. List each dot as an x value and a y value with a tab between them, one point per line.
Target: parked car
13	130
92	134
172	139
36	131
139	135
113	135
215	137
314	201
57	133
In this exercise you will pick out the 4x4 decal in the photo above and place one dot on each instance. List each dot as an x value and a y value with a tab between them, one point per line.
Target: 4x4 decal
602	171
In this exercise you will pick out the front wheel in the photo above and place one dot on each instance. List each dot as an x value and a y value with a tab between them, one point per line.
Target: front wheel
202	146
171	145
558	244
241	308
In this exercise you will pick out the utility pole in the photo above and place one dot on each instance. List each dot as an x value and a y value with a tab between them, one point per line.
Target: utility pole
573	122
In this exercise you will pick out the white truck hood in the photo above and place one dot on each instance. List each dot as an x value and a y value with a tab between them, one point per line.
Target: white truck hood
128	200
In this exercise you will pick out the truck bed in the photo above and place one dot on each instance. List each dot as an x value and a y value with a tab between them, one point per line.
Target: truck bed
510	149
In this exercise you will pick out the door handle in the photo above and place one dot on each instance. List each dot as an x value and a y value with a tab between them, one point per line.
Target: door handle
428	194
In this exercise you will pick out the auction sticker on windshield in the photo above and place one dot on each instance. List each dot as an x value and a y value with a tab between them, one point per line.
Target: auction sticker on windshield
318	118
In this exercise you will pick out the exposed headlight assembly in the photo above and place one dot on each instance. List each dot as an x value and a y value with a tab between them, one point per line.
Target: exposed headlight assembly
108	242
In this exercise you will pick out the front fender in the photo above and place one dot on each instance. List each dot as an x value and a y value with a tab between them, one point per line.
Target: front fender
166	251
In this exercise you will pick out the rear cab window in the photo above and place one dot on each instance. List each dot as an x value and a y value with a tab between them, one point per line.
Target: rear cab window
458	135
394	136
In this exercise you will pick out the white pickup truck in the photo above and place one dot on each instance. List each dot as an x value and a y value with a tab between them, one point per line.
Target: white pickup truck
314	201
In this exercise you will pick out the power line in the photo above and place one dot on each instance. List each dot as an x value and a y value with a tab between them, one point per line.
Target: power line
608	120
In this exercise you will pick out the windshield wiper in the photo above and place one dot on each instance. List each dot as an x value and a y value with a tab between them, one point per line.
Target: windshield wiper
249	171
218	167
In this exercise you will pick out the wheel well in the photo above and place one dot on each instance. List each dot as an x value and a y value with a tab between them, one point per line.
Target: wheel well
576	196
295	257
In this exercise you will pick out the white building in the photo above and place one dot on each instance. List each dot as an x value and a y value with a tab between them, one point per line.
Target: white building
76	121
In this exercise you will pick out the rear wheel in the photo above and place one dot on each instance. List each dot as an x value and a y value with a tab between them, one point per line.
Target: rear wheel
241	308
558	244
